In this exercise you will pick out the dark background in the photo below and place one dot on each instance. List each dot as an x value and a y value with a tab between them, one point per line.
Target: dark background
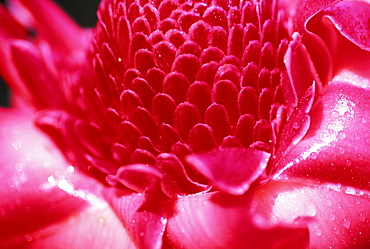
83	11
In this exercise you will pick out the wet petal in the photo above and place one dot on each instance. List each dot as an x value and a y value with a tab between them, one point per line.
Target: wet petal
335	148
44	200
343	27
175	181
301	71
338	219
231	170
144	219
351	18
138	177
218	220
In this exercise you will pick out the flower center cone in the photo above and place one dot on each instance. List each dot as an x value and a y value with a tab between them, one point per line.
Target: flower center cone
175	79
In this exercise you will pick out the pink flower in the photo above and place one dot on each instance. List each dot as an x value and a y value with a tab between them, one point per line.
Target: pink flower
219	124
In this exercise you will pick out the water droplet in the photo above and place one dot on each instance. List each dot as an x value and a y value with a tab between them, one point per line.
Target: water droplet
356	136
346	223
296	125
313	155
17	145
328	202
318	232
342	135
311	210
339	27
362	217
71	169
28	237
364	120
339	205
142	234
341	150
75	193
350	191
19	167
348	114
348	162
332	216
363	39
101	220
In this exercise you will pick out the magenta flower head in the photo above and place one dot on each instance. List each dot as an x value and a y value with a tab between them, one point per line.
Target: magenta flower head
186	124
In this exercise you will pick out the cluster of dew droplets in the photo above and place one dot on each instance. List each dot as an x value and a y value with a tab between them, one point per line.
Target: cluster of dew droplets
184	77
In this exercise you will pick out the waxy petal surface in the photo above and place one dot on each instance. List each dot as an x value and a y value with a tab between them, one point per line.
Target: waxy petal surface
218	220
144	219
336	219
45	201
351	18
335	148
231	170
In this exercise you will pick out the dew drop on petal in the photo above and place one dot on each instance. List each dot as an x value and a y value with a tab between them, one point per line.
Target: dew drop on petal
28	237
341	135
101	220
362	217
332	216
350	190
17	145
346	222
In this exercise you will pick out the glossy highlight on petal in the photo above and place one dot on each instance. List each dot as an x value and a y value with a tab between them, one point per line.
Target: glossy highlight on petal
231	170
335	146
218	220
219	124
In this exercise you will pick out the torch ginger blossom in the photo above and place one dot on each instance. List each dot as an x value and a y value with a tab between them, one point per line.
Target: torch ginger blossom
185	124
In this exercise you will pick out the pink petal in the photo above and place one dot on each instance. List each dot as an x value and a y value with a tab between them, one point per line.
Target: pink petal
300	12
218	220
335	148
138	177
339	220
9	30
44	201
343	28
35	75
95	227
62	33
300	68
28	175
231	170
351	19
175	181
297	125
145	220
